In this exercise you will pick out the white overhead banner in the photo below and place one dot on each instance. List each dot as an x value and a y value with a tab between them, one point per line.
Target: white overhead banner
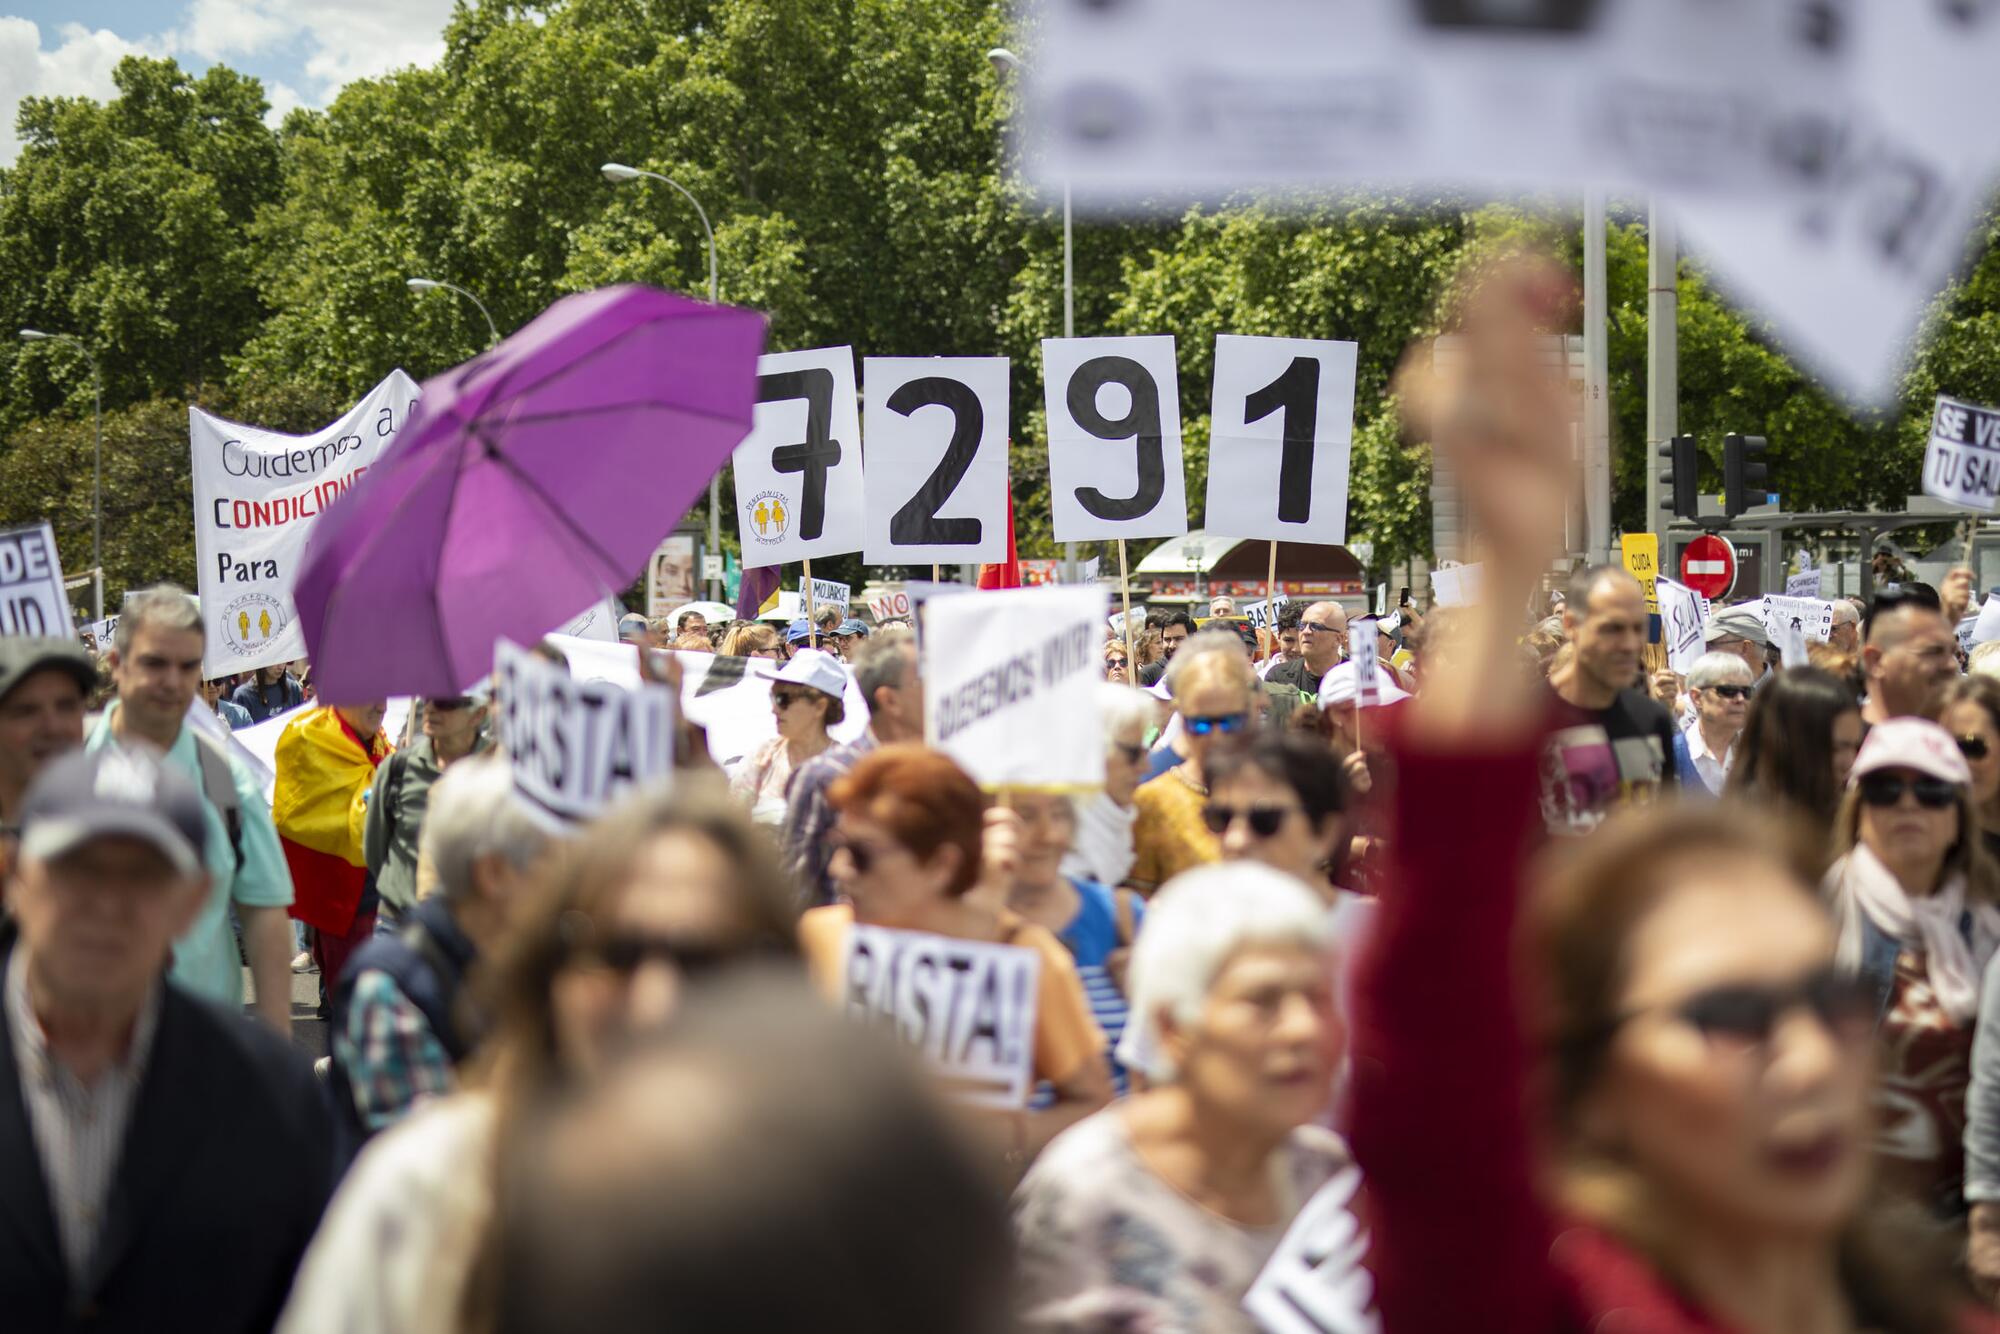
1281	431
1010	685
577	745
256	494
1114	420
798	472
937	460
1962	461
32	598
967	1006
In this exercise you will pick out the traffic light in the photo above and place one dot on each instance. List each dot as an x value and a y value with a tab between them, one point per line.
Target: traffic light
1680	483
1743	473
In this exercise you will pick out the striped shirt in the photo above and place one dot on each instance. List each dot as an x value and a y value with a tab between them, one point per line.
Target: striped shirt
79	1129
1092	938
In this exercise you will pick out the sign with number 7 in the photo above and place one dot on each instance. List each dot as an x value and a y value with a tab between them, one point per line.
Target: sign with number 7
798	472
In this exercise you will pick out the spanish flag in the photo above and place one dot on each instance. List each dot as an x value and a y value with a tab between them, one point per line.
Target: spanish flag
320	808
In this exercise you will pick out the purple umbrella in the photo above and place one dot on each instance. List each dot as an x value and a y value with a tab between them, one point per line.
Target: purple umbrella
529	482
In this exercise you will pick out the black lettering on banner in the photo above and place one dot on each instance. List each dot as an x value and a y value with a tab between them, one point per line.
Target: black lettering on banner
385	422
1140	424
818	452
1296	394
917	523
1511	15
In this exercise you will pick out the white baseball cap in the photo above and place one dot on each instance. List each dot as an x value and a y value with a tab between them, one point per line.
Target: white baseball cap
1337	687
816	668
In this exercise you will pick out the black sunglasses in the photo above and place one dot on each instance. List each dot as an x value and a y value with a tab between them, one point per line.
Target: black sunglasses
1886	789
1315	625
784	699
1264	821
1972	747
629	951
449	704
1119	663
1730	692
863	856
1742	1015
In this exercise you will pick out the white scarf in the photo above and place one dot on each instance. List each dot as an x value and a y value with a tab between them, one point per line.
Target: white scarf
1860	884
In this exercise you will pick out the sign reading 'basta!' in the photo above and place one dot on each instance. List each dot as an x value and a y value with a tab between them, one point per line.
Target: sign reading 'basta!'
256	494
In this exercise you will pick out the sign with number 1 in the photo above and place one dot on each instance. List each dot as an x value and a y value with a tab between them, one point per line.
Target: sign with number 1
1282	430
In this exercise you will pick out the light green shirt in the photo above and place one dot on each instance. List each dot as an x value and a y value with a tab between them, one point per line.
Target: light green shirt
205	959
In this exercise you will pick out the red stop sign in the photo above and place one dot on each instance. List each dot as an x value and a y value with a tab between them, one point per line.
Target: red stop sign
1708	566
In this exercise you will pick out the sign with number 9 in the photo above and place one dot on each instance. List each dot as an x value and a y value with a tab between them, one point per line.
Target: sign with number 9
1114	413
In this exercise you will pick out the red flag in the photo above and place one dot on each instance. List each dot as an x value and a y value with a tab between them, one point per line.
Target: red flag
1007	574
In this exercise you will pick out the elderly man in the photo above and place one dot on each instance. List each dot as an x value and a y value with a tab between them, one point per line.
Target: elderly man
1719	684
156	664
634	628
165	1162
1221	605
327	758
1322	645
454	727
400	1029
43	686
1739	630
1907	654
1846	635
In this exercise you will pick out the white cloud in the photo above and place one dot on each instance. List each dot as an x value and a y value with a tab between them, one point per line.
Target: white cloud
283	97
219	29
79	66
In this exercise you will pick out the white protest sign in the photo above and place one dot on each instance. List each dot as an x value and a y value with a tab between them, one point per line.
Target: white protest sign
1281	429
256	494
827	593
100	632
1088	573
32	598
890	607
937	460
1365	647
1683	617
1814	617
1316	1281
1456	585
1962	461
1964	629
1987	626
598	621
798	472
1804	585
1010	685
1140	103
1264	615
967	1006
1114	413
1789	634
575	745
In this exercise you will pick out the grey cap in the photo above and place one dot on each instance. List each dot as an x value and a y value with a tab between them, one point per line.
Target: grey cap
1745	620
21	656
119	790
851	626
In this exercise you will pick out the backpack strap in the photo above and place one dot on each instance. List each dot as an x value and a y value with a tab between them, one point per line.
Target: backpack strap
218	784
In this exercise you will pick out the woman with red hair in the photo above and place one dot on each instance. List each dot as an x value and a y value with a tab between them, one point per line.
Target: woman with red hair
916	849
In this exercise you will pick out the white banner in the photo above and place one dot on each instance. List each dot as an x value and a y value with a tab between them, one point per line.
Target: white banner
1813	617
968	1006
1114	422
798	472
1280	436
1962	461
937	460
32	598
577	745
1683	618
1010	685
256	494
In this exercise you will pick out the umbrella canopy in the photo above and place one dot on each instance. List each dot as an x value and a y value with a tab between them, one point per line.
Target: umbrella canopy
528	481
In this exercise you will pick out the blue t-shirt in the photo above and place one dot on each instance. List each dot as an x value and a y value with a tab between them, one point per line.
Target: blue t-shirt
1092	937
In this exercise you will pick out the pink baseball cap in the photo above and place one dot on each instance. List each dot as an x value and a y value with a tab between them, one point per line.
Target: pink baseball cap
1911	743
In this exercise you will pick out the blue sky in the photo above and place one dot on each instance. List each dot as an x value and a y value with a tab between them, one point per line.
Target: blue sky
303	50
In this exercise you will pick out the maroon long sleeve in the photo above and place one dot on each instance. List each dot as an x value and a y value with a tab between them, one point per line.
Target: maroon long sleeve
1439	1118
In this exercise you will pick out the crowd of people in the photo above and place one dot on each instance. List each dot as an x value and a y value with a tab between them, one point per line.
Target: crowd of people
1555	992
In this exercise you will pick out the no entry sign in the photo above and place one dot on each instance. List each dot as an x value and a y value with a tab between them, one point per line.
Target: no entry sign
1708	566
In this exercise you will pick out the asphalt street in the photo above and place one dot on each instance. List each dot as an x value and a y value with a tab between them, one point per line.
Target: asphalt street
308	1030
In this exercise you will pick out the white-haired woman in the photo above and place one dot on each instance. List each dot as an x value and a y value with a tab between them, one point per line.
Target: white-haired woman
1158	1212
1719	685
1102	847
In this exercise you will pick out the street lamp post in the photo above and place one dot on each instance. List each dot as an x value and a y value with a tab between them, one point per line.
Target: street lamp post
618	173
433	284
1006	62
97	462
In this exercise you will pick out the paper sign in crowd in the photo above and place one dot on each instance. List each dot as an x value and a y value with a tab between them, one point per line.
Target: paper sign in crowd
576	745
1962	461
32	598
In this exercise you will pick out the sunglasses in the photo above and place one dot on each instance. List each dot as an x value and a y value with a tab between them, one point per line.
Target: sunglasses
1315	625
451	704
1729	692
1886	789
1115	664
1742	1016
1264	821
784	699
628	952
1225	723
862	855
1973	747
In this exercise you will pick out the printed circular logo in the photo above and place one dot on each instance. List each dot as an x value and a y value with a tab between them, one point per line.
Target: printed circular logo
251	622
768	517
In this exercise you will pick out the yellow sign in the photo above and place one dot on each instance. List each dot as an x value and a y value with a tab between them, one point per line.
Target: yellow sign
1642	558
